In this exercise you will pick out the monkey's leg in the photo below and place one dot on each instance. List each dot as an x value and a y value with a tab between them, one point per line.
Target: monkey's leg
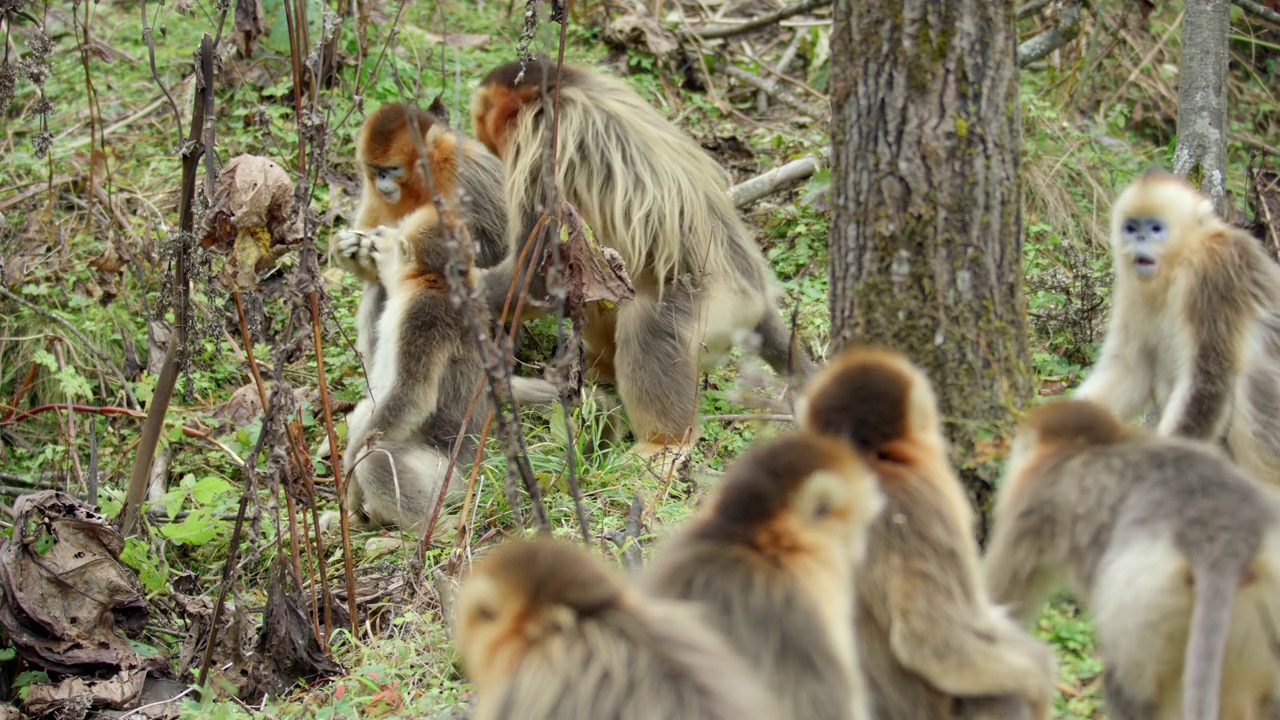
781	350
599	338
657	368
1121	705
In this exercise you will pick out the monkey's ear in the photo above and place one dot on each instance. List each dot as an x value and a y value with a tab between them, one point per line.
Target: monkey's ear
824	493
439	109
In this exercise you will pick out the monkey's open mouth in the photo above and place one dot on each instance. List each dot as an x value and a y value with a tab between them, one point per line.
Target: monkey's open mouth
1146	266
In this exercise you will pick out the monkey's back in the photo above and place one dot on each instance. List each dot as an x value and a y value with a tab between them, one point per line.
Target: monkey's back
644	186
484	202
766	617
630	664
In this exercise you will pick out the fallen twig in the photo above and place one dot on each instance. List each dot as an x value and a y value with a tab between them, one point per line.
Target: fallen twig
779	178
1259	9
776	93
1064	31
762	21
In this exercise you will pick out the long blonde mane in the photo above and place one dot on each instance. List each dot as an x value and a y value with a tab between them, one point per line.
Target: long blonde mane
645	188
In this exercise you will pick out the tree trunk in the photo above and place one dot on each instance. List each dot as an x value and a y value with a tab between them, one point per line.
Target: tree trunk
926	237
1201	155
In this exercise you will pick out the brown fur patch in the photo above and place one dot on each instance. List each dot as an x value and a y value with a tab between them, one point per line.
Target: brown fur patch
494	109
862	396
1076	421
762	483
426	281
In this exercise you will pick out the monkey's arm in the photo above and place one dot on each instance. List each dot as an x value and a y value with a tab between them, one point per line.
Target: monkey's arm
1119	381
961	647
1218	313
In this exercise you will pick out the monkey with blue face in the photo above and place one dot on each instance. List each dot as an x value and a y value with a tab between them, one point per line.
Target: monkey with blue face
1195	325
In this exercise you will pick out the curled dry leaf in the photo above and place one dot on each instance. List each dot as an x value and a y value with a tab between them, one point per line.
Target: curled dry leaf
593	272
250	220
633	31
68	604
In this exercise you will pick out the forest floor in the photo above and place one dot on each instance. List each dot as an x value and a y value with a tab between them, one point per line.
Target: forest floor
85	232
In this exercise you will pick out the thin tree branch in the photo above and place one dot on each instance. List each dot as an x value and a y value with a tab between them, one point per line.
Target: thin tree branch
776	93
762	21
779	178
1066	30
1259	9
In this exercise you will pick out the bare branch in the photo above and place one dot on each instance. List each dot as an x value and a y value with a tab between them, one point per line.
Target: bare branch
776	93
762	21
779	178
1032	8
1066	30
1259	9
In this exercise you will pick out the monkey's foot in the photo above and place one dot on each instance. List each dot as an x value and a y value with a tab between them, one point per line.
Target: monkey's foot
322	451
663	458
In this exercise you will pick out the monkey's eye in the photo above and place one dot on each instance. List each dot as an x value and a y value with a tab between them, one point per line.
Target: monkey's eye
1156	227
485	613
1130	227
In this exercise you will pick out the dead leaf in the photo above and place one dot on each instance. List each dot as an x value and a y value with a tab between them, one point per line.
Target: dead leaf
632	31
594	273
288	649
68	604
251	21
250	220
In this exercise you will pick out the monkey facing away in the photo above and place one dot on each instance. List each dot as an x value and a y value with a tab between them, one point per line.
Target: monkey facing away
547	632
651	193
772	563
424	375
930	641
1174	549
1195	325
394	186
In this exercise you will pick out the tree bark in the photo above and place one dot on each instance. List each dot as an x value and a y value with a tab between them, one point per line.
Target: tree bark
1201	153
926	236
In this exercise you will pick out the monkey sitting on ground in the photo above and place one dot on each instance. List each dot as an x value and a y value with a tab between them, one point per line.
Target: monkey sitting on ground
1195	325
424	375
1175	551
547	632
651	193
461	171
931	643
771	562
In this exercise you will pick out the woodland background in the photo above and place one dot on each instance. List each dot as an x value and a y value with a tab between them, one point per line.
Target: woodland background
103	218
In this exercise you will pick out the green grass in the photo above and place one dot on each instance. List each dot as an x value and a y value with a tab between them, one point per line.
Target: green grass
404	666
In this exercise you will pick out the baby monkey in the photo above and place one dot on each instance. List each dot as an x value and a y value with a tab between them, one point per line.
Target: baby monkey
772	563
1174	549
547	632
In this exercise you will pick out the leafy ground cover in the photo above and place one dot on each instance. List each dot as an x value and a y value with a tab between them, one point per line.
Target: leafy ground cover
87	225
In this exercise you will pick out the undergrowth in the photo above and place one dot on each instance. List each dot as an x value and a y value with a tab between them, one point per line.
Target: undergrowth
1095	115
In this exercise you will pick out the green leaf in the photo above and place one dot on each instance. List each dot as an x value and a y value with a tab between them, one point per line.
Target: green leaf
150	569
197	528
207	490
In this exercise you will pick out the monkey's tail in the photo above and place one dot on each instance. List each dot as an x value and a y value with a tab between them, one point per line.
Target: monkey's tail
1214	602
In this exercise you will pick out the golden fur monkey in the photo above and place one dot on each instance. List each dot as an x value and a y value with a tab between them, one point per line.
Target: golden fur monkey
1195	325
651	193
772	562
461	171
547	632
422	380
931	643
1175	551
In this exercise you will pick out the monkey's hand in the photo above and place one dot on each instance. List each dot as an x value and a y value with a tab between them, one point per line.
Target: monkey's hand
354	252
389	252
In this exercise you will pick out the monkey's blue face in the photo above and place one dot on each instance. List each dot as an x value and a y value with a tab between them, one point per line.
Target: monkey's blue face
1144	239
387	182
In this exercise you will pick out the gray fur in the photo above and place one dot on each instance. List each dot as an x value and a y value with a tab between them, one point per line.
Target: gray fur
1085	513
